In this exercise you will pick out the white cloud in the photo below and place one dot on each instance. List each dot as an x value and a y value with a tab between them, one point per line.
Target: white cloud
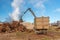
57	10
39	4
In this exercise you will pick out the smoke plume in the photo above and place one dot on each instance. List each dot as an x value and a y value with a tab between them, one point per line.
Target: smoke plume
16	9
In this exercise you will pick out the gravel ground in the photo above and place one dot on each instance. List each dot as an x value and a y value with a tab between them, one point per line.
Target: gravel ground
29	36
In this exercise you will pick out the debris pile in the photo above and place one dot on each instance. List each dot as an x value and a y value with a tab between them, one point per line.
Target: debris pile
14	26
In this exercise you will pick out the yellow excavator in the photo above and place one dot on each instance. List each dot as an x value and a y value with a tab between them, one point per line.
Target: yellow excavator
41	24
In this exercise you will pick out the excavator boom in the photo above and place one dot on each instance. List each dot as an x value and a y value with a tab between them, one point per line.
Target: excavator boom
30	11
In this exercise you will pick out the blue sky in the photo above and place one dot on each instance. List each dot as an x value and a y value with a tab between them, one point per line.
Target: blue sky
11	9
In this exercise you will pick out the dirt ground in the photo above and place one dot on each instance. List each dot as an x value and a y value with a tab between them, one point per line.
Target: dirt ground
30	36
